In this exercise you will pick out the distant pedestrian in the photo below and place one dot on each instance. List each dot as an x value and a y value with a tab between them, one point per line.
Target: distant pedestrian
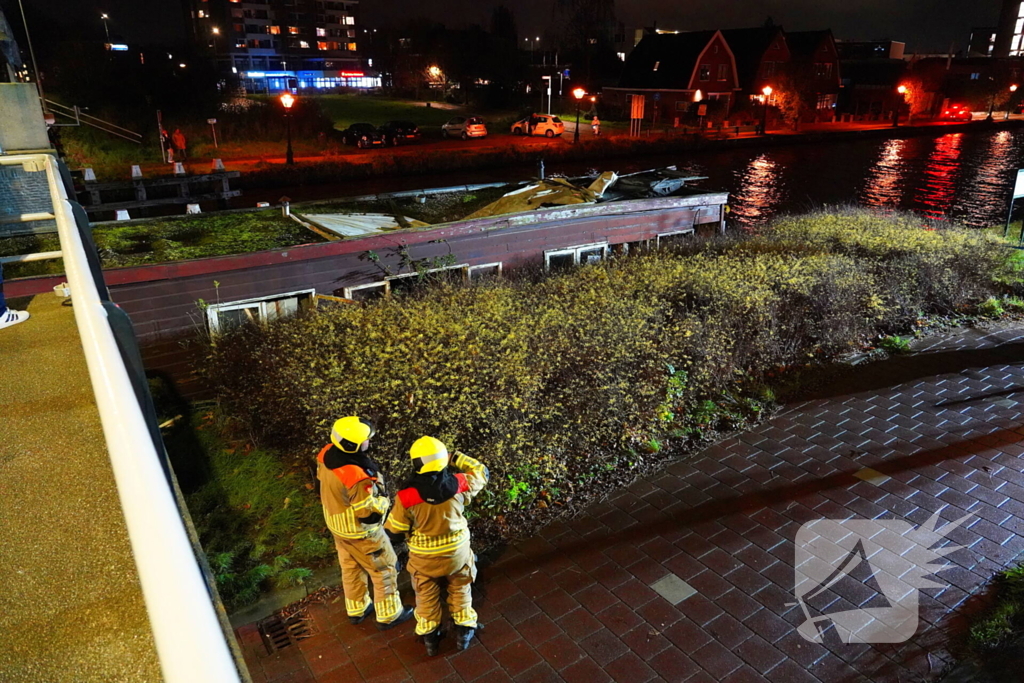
595	124
168	144
179	144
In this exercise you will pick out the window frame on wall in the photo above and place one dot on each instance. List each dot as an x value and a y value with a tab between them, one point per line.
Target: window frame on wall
419	273
350	291
575	252
690	232
474	269
259	304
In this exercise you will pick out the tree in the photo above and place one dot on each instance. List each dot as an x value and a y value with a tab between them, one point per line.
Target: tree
585	28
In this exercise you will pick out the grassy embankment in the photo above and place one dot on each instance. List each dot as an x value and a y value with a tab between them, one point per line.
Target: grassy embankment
567	384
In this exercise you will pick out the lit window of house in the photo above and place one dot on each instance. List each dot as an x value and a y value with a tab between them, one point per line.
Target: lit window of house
705	72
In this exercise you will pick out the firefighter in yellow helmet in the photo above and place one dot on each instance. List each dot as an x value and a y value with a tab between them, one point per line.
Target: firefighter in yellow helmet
354	501
430	509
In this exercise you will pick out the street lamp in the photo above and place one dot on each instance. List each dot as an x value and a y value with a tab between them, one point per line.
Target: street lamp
902	90
767	92
1013	89
579	94
287	101
106	17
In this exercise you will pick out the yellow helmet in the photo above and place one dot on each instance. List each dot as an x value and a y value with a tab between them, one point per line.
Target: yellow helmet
349	432
429	455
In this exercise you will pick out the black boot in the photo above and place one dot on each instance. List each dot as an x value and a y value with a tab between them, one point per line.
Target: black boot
433	641
359	619
463	636
403	617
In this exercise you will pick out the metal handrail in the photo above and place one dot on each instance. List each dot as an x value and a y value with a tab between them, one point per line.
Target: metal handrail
190	643
101	124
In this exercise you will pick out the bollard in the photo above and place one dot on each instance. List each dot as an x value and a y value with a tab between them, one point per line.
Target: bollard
136	171
218	165
286	209
541	169
192	208
122	215
90	175
179	168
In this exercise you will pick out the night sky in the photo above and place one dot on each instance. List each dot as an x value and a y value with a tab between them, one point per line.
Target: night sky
925	25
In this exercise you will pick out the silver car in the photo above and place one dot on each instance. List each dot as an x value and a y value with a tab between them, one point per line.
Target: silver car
464	127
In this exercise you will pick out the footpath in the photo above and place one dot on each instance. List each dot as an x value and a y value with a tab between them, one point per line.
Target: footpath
688	575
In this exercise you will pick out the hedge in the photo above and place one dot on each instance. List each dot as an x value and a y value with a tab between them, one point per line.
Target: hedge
558	382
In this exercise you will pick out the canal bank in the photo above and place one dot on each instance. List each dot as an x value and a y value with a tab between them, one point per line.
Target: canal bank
397	163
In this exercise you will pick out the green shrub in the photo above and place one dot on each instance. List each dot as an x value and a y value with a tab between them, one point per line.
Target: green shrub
1001	625
557	381
894	344
992	307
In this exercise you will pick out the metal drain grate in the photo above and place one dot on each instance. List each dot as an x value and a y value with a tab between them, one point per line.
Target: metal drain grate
279	632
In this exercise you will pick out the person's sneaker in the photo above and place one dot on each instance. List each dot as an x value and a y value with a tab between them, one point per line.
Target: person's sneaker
405	616
433	641
463	636
12	318
359	619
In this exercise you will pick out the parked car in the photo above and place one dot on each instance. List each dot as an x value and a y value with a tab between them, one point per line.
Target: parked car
394	132
956	112
362	135
539	124
464	127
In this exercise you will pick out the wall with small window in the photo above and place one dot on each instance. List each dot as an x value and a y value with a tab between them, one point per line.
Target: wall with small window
558	259
223	317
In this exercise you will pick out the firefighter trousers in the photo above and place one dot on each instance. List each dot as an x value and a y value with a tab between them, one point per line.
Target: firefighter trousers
428	571
371	557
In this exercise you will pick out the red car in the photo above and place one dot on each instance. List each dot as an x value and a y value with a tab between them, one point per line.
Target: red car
956	112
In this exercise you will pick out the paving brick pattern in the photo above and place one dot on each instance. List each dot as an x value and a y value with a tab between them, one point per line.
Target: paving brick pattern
575	602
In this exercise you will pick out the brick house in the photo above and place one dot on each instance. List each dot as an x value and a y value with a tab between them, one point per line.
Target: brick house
676	73
814	68
762	55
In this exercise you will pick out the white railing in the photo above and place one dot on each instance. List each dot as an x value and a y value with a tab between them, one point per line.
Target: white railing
189	640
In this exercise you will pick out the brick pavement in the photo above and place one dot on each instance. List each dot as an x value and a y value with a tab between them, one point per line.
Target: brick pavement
575	603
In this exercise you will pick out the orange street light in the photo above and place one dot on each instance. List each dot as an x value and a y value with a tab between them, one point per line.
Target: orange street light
767	91
288	101
902	90
579	94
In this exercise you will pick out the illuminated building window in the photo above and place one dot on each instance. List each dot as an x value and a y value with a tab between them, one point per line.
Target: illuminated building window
274	30
201	14
350	21
294	30
303	44
321	32
656	65
705	72
1020	12
322	46
352	47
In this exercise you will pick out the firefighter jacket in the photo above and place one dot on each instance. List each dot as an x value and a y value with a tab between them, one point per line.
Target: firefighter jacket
351	492
431	508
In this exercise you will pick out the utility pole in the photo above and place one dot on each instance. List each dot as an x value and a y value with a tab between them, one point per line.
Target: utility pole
32	52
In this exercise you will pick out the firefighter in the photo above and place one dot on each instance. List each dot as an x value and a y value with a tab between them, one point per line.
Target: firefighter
354	502
430	509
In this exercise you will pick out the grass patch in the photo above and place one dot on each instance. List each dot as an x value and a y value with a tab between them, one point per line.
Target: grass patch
172	239
993	641
569	384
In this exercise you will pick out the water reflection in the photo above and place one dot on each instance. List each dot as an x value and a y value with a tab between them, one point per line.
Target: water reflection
884	185
759	191
938	188
988	191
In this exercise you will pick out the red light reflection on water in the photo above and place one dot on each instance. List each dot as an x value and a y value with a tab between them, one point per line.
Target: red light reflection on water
884	185
938	189
760	191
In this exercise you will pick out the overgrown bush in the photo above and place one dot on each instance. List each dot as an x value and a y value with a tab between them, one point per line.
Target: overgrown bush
555	381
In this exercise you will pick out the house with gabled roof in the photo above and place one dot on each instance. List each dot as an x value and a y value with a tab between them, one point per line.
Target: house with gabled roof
676	73
814	61
762	56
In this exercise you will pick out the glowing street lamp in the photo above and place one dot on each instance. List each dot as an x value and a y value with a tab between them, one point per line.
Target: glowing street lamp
1013	89
902	90
766	92
106	17
288	101
579	94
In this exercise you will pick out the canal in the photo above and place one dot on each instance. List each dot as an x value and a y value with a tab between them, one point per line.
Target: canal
966	177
